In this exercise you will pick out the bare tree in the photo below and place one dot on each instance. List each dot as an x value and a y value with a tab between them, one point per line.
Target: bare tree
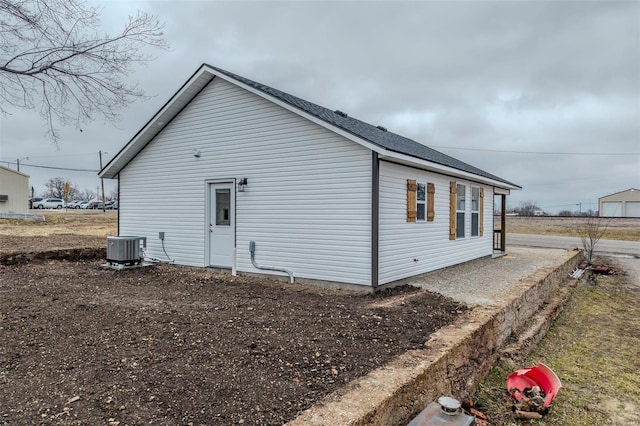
56	188
113	195
53	60
86	195
527	208
591	232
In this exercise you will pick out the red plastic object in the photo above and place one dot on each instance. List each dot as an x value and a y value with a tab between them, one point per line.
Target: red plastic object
537	375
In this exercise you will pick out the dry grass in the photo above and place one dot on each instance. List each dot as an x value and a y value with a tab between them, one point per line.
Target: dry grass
617	229
86	223
593	347
101	224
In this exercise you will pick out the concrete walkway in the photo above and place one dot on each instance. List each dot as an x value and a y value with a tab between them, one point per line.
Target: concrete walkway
485	282
505	294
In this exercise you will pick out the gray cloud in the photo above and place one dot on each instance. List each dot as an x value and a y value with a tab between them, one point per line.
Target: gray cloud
513	76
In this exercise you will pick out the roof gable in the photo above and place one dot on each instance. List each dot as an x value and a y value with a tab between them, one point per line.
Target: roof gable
377	136
619	193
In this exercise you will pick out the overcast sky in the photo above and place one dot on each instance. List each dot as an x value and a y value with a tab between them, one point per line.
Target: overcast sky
544	94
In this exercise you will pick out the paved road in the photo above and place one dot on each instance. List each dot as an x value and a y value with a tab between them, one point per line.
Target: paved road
631	248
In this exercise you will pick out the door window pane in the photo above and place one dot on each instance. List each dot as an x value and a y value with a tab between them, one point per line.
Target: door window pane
223	205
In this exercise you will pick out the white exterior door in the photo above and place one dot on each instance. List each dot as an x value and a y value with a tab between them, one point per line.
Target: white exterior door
221	224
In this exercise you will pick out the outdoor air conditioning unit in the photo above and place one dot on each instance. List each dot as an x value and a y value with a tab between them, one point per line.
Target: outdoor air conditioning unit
125	250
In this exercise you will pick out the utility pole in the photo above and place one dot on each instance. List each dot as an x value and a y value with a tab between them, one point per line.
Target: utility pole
18	161
104	209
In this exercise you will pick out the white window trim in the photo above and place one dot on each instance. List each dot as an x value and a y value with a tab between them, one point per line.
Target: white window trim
464	212
475	212
423	202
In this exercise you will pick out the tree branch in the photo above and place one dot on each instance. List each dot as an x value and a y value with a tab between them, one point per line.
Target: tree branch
51	51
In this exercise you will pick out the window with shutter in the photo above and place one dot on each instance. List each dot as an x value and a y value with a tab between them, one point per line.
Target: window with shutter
452	209
431	213
411	200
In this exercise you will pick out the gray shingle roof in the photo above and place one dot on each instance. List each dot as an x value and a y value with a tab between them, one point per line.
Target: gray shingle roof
382	138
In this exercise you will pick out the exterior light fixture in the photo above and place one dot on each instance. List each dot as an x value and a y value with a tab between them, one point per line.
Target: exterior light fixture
242	183
197	153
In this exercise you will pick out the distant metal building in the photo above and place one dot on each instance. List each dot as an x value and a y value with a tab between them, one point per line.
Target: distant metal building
14	191
621	204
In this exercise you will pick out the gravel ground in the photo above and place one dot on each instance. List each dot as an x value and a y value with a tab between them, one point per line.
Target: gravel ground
484	281
632	266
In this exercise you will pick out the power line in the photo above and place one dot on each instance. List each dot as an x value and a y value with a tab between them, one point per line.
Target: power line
54	168
535	152
570	205
84	154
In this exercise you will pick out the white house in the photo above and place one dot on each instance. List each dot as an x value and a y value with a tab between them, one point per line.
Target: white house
228	161
14	191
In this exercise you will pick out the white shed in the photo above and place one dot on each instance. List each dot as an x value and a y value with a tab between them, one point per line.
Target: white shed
327	197
620	204
14	191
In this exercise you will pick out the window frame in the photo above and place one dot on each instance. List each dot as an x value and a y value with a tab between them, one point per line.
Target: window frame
475	212
223	207
462	211
420	202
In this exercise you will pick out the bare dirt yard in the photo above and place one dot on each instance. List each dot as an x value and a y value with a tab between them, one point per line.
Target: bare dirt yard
81	344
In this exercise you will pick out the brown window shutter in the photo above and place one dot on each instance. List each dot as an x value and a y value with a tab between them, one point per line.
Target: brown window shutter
453	189
412	211
481	211
431	213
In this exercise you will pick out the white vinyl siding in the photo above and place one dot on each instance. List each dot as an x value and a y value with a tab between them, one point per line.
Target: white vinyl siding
307	204
412	248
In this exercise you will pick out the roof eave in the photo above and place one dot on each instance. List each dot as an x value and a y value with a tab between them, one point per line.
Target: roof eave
442	169
158	121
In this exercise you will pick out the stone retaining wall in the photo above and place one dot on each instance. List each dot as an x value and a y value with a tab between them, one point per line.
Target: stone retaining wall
453	362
